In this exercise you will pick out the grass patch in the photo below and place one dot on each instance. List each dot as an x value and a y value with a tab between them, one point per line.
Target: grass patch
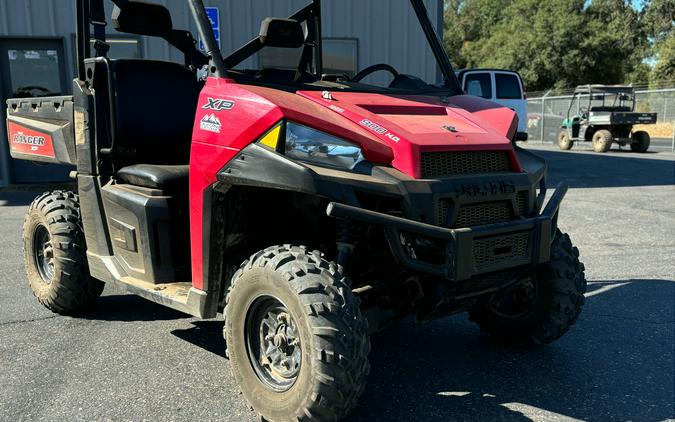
659	130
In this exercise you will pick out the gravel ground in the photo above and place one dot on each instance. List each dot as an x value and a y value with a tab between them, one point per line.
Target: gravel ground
128	359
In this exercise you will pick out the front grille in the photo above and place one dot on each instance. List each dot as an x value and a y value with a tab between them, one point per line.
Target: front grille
494	250
443	207
449	163
521	201
482	214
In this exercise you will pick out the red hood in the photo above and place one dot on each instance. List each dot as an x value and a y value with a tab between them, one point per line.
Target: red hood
398	129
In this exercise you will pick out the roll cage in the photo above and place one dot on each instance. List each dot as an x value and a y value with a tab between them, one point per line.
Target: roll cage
153	21
622	98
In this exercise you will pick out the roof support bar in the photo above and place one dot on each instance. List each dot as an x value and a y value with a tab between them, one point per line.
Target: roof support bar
217	66
83	35
442	58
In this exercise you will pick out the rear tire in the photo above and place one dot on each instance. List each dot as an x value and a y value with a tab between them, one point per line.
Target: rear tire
55	253
564	141
548	313
640	141
602	140
297	343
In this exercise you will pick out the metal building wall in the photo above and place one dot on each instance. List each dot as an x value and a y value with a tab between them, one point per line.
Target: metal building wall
400	43
387	30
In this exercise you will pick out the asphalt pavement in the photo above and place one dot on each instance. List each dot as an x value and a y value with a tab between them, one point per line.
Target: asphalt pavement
128	359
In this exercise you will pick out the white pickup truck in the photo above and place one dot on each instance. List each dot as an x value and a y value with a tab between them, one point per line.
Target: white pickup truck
504	87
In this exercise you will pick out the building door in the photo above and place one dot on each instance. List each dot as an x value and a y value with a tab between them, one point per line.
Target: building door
30	68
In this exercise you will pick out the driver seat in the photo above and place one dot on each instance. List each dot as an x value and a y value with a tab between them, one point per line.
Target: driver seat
170	179
155	104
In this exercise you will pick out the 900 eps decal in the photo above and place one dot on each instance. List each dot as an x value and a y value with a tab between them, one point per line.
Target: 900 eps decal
379	129
30	142
218	104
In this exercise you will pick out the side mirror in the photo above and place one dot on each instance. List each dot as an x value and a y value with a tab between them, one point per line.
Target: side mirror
282	33
141	18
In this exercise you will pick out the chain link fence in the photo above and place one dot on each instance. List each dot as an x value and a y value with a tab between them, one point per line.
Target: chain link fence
546	111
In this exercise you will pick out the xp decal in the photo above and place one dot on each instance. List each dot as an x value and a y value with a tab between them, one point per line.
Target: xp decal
218	104
210	123
30	142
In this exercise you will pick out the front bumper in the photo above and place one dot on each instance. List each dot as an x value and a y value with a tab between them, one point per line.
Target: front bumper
426	206
468	251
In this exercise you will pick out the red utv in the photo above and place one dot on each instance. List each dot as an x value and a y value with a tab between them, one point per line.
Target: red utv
311	209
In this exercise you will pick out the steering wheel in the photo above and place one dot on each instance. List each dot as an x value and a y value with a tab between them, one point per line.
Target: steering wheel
372	69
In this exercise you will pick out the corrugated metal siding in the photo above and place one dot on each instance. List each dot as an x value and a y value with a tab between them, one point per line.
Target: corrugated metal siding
387	29
41	19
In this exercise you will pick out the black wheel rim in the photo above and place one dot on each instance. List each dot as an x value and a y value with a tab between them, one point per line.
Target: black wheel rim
43	251
520	301
273	343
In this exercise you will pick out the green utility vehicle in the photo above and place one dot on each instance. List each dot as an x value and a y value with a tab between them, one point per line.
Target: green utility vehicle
604	114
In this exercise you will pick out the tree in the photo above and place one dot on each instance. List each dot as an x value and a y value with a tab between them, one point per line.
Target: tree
559	43
539	39
664	68
467	22
659	22
615	42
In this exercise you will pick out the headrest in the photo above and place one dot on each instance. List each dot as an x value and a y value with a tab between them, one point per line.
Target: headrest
283	33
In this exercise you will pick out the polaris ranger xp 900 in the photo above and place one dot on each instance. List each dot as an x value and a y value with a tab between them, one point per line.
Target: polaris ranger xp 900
310	208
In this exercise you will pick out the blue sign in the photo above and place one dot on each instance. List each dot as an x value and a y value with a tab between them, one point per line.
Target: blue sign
214	17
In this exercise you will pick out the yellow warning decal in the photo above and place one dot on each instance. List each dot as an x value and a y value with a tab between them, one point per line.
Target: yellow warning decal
272	138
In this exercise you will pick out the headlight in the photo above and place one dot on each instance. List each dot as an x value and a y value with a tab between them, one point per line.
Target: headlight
313	146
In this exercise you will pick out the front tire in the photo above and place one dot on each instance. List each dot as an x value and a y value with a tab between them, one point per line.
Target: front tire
640	141
564	141
544	306
55	253
297	343
602	140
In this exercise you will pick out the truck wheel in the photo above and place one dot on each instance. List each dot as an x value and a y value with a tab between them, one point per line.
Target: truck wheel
54	253
640	141
297	343
564	141
602	140
544	305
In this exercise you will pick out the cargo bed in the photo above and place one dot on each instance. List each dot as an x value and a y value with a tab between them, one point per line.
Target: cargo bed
621	118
